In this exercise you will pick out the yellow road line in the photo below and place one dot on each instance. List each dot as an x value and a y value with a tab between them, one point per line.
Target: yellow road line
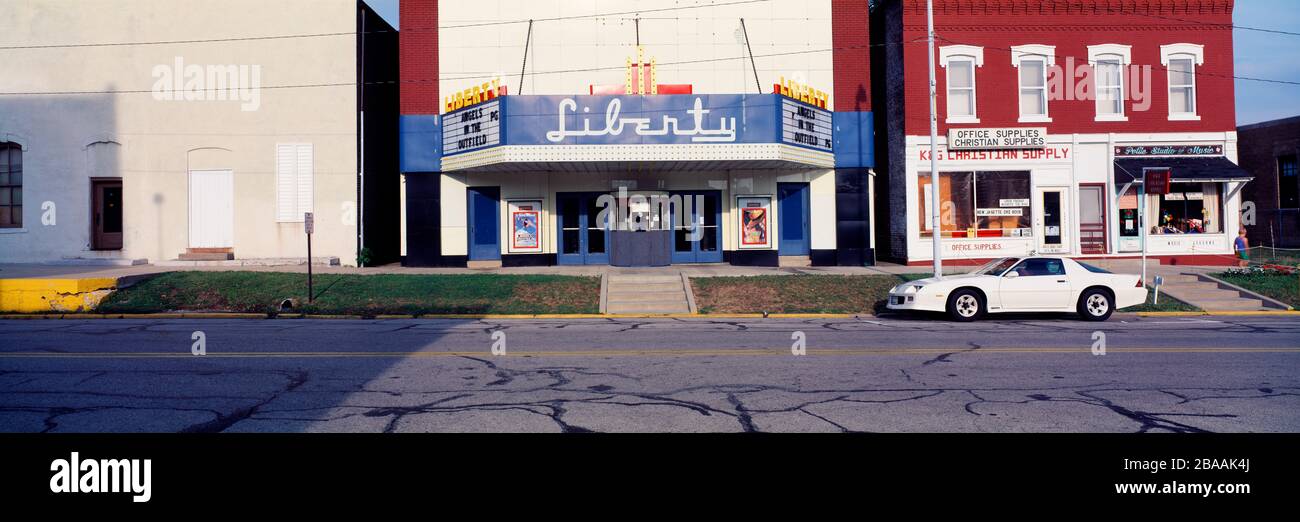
633	352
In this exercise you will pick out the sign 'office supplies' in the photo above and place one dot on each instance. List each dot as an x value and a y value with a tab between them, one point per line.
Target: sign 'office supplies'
992	139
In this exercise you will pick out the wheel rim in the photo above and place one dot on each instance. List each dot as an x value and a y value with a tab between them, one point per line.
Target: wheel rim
967	305
1098	305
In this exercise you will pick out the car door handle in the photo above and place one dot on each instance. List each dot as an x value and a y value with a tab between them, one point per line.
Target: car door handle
1062	281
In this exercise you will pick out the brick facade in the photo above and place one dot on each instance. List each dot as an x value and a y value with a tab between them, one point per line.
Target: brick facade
419	57
1259	148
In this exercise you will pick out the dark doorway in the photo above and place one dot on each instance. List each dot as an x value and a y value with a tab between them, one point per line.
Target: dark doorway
106	214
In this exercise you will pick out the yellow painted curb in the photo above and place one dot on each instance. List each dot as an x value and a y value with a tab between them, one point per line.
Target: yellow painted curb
54	295
235	315
1240	313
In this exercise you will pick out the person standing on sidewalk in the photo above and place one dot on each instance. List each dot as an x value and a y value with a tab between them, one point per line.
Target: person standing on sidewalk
1242	246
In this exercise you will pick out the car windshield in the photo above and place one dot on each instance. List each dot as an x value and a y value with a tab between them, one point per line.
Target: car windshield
997	267
1093	269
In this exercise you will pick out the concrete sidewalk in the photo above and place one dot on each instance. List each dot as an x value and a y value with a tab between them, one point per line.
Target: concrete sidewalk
29	271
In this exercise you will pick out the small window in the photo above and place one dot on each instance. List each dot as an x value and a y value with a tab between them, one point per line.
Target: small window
1182	86
1033	88
1288	188
961	88
1110	86
11	185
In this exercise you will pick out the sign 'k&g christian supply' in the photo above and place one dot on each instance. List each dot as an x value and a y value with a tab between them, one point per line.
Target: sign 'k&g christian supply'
993	139
1168	150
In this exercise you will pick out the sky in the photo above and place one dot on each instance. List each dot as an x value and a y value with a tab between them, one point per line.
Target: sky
1258	55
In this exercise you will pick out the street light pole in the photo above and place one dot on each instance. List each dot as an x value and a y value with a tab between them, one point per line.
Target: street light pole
934	149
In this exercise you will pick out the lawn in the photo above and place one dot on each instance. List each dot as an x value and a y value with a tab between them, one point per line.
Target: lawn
1167	304
1283	287
261	292
792	294
828	294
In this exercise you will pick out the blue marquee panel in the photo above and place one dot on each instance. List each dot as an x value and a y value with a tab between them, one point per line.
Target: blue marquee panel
705	119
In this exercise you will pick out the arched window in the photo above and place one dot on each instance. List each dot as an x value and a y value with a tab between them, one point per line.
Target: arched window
11	185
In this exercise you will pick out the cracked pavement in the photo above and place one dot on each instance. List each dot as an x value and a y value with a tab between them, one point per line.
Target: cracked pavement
901	373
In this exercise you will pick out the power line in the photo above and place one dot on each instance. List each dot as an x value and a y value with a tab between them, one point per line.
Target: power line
1195	71
602	15
531	73
355	33
181	42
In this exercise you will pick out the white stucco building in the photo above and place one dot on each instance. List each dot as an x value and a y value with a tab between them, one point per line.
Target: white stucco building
190	129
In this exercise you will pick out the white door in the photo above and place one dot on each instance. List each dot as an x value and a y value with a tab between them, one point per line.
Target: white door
212	209
1051	220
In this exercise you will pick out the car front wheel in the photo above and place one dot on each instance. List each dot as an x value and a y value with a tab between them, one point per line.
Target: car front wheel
965	305
1096	305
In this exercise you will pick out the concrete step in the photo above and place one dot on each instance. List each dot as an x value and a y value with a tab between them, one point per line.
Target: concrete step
650	307
646	294
637	297
645	279
1180	278
1199	285
794	261
1231	304
619	288
206	256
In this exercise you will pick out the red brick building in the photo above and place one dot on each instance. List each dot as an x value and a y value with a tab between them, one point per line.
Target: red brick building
1048	114
1269	150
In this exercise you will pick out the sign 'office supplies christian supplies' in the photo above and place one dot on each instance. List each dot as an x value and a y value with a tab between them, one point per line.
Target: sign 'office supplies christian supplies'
993	139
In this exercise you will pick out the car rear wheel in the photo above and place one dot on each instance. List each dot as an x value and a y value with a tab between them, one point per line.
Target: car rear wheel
965	305
1096	305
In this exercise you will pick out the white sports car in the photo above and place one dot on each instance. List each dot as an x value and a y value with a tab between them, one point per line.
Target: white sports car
1023	284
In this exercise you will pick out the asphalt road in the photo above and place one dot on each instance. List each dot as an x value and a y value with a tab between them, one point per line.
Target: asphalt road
1035	374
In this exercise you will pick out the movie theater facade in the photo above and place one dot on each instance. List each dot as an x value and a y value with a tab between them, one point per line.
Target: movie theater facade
638	142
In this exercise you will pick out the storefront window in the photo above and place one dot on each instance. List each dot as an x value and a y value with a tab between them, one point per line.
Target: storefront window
1188	208
1128	214
978	204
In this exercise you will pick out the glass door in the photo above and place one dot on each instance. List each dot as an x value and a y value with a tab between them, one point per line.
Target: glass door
582	238
697	239
1051	223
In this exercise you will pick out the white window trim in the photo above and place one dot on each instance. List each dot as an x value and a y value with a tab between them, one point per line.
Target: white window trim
1046	53
949	53
1183	50
1125	53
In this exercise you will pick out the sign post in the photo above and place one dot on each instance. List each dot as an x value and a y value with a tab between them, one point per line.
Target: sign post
309	225
1154	181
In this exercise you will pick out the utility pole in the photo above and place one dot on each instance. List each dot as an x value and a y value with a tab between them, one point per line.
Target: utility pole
934	149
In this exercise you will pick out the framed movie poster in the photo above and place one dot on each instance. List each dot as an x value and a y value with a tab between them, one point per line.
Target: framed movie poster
525	226
755	214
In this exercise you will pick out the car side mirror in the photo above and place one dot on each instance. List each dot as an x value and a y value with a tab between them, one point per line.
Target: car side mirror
1012	273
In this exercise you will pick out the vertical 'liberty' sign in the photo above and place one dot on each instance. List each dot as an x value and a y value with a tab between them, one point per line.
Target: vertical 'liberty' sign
477	127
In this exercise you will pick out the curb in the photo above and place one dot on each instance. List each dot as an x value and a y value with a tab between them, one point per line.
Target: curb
234	315
1240	313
